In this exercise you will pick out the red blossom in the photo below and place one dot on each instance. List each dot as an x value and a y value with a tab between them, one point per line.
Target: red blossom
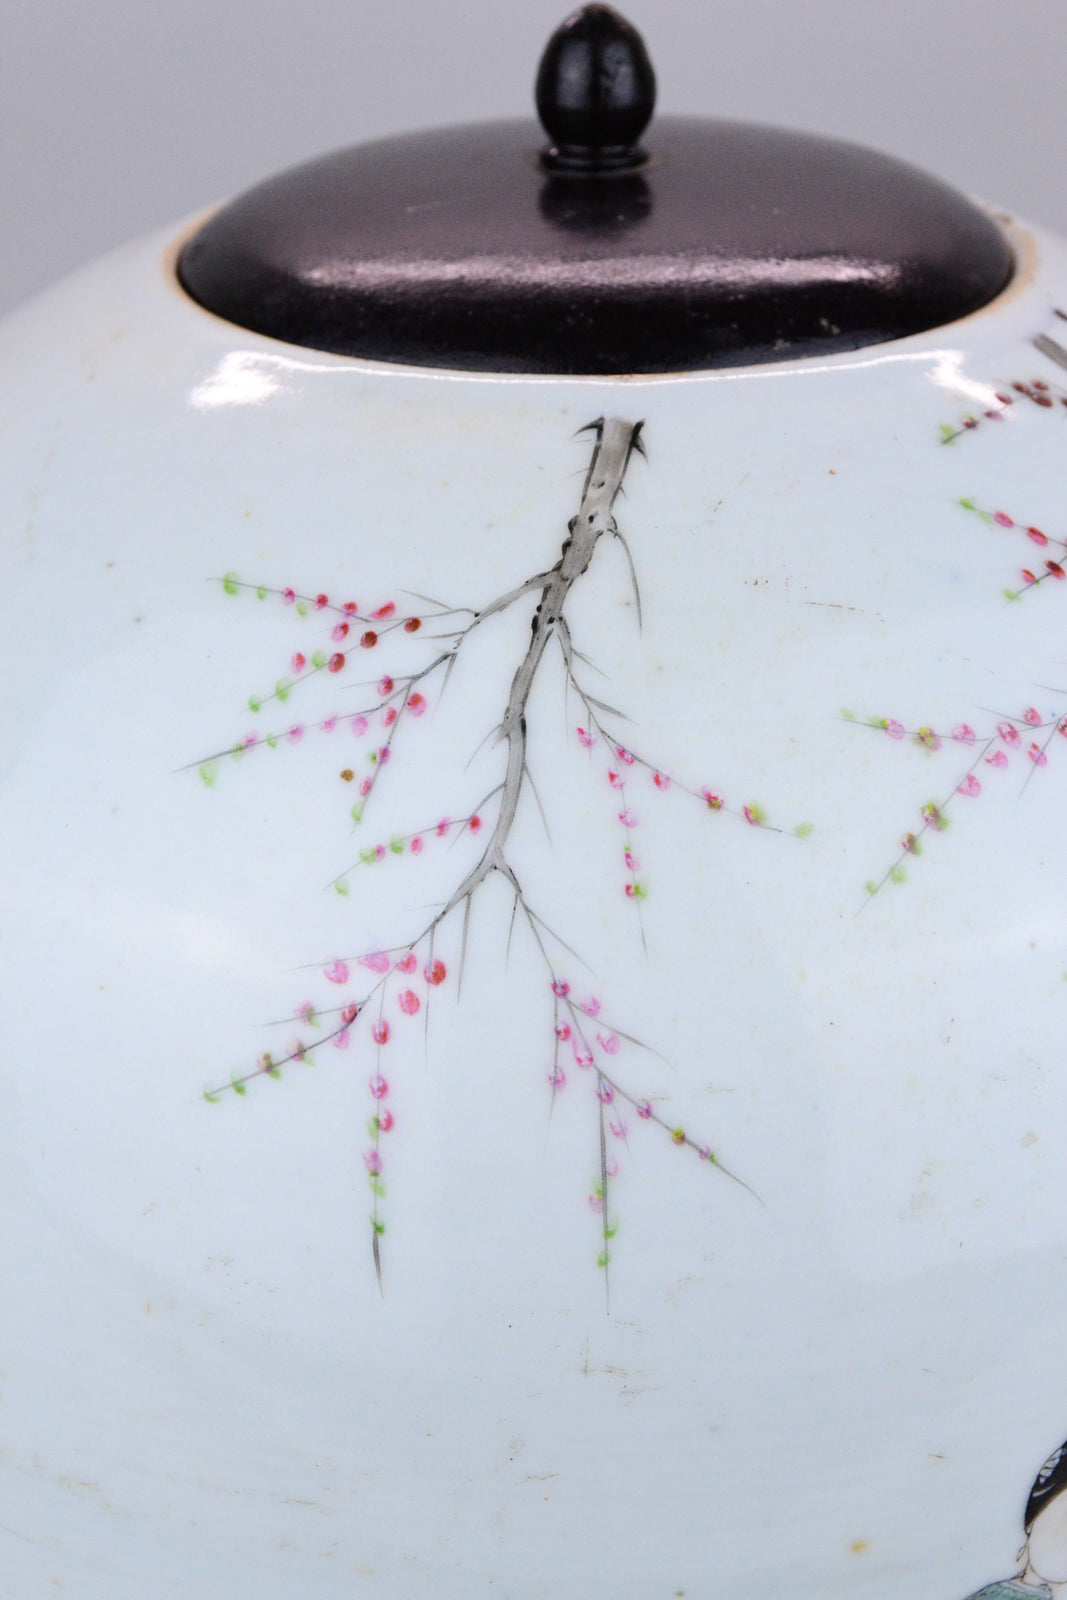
384	611
408	1002
412	625
336	661
435	973
416	704
369	640
380	1031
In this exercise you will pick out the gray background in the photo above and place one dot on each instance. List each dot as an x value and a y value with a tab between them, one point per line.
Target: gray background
118	116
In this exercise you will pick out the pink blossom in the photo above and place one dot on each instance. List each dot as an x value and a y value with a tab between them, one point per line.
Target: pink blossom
408	1002
1027	576
306	1012
376	961
365	785
1032	716
339	632
1009	734
563	1031
372	1161
336	661
591	1006
298	663
1036	535
435	973
385	1120
321	602
557	1078
582	1058
336	972
895	730
383	754
349	1014
596	1203
1002	519
386	685
359	726
249	740
380	1031
997	759
609	1043
628	819
378	1087
970	785
624	756
416	704
560	989
618	1129
1037	756
341	1039
630	859
288	597
442	827
964	733
927	737
615	780
389	716
661	780
605	1093
329	725
379	852
416	846
752	815
585	739
407	963
714	802
644	1110
296	733
350	607
474	823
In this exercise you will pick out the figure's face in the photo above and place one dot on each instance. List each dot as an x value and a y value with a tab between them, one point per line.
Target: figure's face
1048	1541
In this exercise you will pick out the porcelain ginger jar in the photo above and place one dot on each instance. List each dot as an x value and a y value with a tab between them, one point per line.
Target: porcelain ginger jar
533	923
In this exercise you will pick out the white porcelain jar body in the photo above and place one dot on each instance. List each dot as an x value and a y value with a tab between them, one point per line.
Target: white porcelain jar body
351	1332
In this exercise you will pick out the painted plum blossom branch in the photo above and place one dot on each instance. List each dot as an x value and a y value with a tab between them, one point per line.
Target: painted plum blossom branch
399	983
1029	737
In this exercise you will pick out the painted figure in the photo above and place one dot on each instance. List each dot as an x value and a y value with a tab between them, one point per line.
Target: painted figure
1043	1558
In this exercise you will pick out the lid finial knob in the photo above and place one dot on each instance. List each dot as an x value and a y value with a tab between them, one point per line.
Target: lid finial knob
595	92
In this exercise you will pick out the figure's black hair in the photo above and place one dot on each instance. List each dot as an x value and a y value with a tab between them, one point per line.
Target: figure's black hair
1050	1481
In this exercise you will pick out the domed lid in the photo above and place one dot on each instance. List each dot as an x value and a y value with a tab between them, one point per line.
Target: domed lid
480	248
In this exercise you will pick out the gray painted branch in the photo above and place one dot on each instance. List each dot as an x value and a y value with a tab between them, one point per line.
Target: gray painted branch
616	440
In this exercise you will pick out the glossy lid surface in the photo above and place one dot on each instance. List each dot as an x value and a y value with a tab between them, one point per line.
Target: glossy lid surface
713	244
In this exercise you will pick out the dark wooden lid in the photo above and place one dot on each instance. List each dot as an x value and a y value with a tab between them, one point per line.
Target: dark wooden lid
714	244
